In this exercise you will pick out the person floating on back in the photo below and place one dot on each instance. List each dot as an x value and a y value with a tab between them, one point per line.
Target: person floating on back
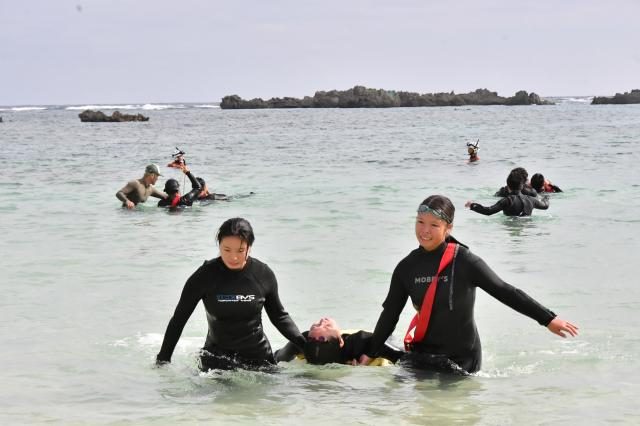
172	188
139	190
205	195
514	204
472	149
526	187
327	343
540	184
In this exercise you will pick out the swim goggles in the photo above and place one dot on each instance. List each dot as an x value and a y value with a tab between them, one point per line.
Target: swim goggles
436	212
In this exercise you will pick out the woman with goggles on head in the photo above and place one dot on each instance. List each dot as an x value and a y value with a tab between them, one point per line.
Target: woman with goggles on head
441	277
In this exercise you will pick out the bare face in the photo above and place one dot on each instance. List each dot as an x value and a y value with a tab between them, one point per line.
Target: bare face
431	231
325	329
150	178
234	252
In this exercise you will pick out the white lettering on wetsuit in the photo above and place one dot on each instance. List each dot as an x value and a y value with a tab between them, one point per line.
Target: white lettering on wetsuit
428	280
235	298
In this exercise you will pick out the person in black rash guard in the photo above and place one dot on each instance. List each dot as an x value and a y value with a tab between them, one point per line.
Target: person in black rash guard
327	343
234	288
514	204
526	189
172	188
451	342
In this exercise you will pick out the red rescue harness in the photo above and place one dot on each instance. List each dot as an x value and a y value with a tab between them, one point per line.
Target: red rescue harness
176	200
421	320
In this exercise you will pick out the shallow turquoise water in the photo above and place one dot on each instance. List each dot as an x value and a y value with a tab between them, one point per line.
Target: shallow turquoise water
88	288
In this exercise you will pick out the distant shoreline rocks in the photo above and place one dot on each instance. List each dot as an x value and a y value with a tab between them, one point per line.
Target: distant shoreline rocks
632	97
363	97
91	116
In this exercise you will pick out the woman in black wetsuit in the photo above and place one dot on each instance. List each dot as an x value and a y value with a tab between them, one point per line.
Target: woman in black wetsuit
234	288
451	341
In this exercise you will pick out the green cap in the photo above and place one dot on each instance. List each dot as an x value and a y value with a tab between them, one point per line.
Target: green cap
152	169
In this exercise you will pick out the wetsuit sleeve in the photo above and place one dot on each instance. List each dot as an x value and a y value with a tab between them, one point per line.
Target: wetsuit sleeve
122	194
541	203
529	191
486	279
499	206
191	295
555	188
278	316
289	351
189	197
391	309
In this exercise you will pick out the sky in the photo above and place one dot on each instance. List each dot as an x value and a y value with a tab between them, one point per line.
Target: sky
157	51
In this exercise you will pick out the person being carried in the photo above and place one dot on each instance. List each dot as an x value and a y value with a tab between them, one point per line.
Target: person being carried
139	190
327	343
234	288
205	195
526	187
172	188
441	277
540	184
514	204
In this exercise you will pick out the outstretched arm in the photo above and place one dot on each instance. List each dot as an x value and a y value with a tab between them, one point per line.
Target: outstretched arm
487	211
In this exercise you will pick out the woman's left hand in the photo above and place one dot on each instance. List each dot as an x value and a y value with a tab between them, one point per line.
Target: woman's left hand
560	327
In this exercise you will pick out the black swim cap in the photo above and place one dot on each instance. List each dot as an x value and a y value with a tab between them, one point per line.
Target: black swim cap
171	185
322	352
200	181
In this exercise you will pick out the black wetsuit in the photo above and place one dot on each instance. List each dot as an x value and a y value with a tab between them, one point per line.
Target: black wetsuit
526	190
233	301
515	204
187	199
452	329
214	197
355	344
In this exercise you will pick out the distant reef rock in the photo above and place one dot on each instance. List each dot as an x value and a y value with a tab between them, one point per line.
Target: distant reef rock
363	97
632	97
91	116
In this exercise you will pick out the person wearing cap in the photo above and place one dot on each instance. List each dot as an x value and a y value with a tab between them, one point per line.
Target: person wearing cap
327	343
234	289
441	277
139	190
172	188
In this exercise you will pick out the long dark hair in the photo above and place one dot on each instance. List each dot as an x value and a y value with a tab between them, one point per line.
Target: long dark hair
236	227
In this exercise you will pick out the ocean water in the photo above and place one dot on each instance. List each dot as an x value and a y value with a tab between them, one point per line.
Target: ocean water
88	288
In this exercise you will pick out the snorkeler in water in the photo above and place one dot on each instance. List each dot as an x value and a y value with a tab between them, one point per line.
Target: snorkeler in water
472	149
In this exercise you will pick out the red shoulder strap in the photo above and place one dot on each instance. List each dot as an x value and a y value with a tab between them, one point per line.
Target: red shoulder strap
421	320
176	200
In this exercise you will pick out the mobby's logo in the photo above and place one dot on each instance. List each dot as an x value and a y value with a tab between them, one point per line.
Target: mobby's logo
236	298
429	280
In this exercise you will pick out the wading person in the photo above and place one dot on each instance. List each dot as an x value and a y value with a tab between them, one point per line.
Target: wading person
441	277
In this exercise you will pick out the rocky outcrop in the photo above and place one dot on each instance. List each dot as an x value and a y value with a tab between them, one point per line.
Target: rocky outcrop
632	97
362	97
91	116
